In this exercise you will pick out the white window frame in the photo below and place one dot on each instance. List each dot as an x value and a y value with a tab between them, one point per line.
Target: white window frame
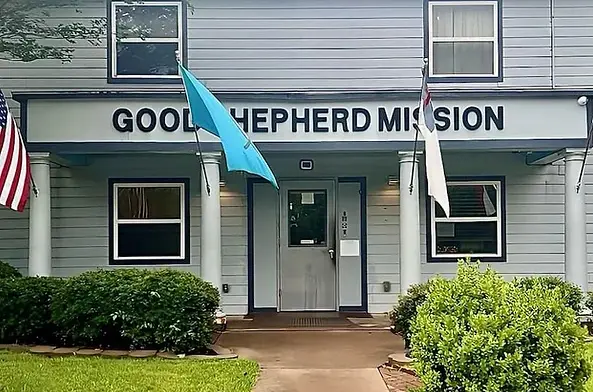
497	184
117	221
494	39
179	40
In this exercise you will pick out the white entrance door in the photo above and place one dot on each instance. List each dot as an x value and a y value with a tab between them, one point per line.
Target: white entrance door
307	246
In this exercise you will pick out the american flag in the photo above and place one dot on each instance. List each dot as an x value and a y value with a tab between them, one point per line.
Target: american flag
15	167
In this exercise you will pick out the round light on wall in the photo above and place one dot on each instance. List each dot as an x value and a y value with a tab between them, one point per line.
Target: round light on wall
582	101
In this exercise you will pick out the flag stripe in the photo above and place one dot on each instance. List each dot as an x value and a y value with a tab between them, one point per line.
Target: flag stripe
15	164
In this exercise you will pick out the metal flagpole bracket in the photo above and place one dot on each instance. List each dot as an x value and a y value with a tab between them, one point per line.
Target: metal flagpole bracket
587	147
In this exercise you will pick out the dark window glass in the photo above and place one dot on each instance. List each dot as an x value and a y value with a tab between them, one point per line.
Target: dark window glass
471	58
146	58
470	201
145	21
466	237
149	203
307	218
144	240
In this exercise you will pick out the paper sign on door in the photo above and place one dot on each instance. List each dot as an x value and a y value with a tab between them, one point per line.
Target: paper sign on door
350	248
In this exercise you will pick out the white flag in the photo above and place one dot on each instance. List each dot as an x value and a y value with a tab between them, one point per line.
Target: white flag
435	174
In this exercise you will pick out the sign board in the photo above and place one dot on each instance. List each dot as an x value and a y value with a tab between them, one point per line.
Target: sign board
141	120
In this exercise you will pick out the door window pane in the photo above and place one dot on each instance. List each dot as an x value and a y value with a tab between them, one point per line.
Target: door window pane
472	58
149	203
307	218
466	238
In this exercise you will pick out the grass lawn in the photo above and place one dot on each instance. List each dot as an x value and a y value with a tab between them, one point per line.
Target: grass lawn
26	372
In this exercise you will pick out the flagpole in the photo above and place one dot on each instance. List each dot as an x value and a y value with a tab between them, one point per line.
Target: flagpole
587	147
196	128
417	128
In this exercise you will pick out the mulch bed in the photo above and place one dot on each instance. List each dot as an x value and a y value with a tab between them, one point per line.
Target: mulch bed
398	380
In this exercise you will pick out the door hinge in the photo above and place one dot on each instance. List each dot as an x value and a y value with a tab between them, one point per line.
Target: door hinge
280	292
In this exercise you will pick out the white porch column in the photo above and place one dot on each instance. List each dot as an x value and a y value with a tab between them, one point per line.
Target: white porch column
210	237
40	217
575	230
409	223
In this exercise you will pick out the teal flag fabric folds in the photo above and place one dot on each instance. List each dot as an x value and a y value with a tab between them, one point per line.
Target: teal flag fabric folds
208	113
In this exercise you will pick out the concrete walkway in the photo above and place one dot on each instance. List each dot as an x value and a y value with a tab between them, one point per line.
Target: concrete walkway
315	361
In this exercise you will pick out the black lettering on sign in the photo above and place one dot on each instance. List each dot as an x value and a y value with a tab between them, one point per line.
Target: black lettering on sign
242	121
340	116
163	119
140	120
441	119
456	118
319	118
356	126
406	119
123	125
296	120
387	123
187	125
258	117
477	123
279	116
496	118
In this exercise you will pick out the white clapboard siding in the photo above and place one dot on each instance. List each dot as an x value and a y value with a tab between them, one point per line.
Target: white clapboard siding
534	214
336	45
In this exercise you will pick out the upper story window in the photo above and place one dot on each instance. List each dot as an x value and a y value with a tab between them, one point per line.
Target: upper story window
145	37
475	227
464	40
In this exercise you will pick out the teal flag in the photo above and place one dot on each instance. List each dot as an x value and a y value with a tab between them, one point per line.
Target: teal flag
209	113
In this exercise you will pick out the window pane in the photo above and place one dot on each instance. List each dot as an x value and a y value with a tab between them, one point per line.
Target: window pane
463	21
470	237
467	201
470	58
307	218
146	59
149	203
147	21
142	240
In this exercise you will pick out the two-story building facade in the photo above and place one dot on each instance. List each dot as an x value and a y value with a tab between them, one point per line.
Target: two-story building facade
328	91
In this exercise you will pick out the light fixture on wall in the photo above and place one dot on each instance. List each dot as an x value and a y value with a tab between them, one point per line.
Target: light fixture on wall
392	180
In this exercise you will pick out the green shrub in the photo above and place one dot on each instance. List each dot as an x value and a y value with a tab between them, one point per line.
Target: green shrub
162	309
477	332
571	294
25	310
405	310
8	271
589	301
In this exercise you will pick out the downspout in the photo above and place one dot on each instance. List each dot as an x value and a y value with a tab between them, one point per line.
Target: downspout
553	42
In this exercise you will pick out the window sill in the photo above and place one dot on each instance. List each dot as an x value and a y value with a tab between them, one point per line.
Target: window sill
141	80
150	262
465	79
449	260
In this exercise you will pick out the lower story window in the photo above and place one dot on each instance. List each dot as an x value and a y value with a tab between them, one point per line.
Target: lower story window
475	225
149	222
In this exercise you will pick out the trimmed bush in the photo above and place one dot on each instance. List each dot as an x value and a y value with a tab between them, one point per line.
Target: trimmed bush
478	332
405	311
25	310
8	271
571	294
131	308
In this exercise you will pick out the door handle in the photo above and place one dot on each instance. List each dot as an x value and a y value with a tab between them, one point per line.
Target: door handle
332	253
